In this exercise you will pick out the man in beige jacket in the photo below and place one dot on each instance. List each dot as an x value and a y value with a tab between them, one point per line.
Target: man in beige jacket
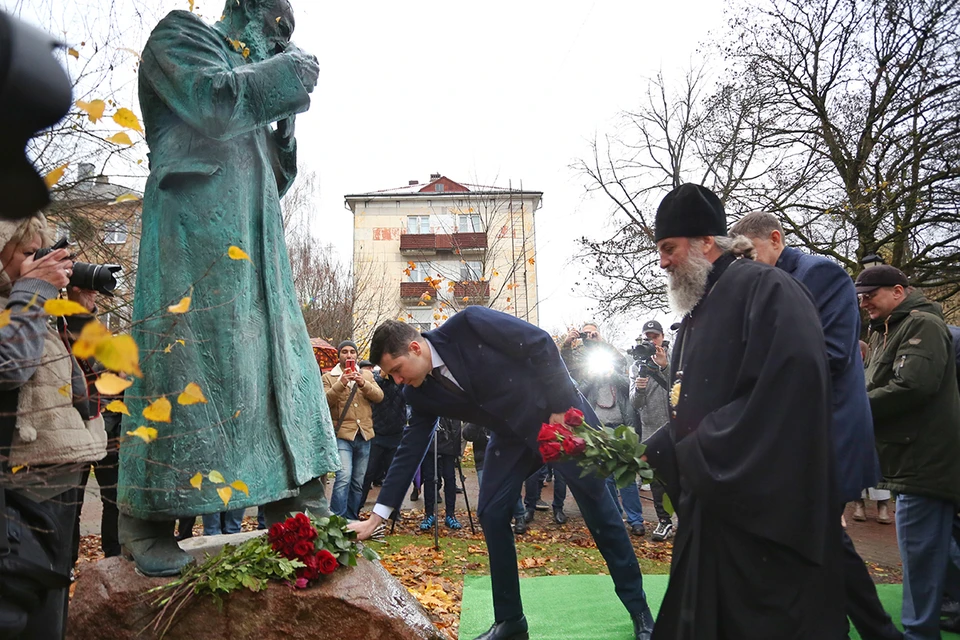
350	393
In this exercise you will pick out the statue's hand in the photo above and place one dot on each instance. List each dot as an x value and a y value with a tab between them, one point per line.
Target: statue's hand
308	69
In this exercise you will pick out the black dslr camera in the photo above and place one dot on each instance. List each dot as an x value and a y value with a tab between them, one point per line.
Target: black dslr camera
643	351
96	277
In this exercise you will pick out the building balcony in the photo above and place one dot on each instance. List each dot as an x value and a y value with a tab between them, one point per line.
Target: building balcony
472	290
414	290
430	243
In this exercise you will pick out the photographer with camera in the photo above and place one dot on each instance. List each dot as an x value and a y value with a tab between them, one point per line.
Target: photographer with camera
50	431
600	372
650	397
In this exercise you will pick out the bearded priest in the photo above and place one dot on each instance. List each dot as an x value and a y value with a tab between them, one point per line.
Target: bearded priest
746	455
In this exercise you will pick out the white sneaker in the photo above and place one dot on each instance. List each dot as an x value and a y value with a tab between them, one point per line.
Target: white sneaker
645	487
663	531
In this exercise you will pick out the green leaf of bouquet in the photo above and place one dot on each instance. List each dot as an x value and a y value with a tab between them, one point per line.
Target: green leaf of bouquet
668	504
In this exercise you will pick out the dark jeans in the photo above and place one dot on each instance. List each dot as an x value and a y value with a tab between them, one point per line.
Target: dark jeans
447	465
658	491
498	499
215	524
377	465
106	471
924	531
863	605
533	486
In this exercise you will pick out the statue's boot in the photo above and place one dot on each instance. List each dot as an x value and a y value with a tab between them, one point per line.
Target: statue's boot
312	497
152	545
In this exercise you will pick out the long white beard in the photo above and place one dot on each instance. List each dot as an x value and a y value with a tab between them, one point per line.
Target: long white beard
687	283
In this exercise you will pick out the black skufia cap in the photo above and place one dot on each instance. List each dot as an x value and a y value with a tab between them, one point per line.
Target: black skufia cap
690	211
35	93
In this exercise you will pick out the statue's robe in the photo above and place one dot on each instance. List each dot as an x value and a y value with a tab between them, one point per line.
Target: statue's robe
217	171
748	464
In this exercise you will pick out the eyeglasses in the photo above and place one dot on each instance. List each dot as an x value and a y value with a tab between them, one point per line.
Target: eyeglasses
868	296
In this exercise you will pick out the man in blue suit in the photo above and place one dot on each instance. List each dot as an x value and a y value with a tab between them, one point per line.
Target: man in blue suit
857	466
490	368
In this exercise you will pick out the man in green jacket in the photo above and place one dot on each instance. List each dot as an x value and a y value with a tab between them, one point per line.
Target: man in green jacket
911	383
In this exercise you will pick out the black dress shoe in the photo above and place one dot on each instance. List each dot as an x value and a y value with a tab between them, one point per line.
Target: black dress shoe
643	626
559	516
515	629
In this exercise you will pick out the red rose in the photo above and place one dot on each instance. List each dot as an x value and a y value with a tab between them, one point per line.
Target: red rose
276	531
549	432
573	417
291	537
550	451
302	520
301	583
574	446
327	562
302	549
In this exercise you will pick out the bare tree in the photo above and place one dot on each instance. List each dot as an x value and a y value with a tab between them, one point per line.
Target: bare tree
840	116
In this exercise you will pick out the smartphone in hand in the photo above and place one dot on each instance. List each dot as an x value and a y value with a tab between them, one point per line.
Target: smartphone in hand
350	366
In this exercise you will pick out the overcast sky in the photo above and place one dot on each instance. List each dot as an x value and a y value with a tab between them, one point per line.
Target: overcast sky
485	92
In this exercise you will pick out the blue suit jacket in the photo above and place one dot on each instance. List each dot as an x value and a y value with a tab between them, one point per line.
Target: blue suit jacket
852	428
513	379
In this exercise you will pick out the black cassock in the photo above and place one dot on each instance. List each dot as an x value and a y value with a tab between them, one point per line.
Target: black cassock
748	465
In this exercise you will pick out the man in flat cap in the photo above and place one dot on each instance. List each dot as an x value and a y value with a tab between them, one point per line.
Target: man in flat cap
749	424
912	387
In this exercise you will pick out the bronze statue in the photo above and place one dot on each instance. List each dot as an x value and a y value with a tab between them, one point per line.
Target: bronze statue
209	95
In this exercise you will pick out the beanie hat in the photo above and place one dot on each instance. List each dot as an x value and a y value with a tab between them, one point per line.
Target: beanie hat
347	343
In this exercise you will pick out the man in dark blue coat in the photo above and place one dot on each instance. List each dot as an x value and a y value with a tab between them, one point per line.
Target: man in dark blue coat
490	368
857	466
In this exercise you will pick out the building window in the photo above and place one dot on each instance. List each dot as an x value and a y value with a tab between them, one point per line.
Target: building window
418	224
471	271
420	318
469	223
438	187
114	233
418	271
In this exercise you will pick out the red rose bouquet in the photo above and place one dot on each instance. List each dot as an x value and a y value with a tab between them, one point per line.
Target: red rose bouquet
297	551
605	451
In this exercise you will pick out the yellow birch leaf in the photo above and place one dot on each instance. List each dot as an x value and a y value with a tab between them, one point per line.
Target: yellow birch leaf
236	253
127	197
118	407
168	348
215	476
110	384
158	410
61	307
246	52
237	414
191	5
182	343
128	119
147	434
64	391
91	336
16	468
240	485
120	138
466	298
225	493
278	19
4	318
197	481
93	109
182	307
531	261
192	395
54	176
73	52
120	353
